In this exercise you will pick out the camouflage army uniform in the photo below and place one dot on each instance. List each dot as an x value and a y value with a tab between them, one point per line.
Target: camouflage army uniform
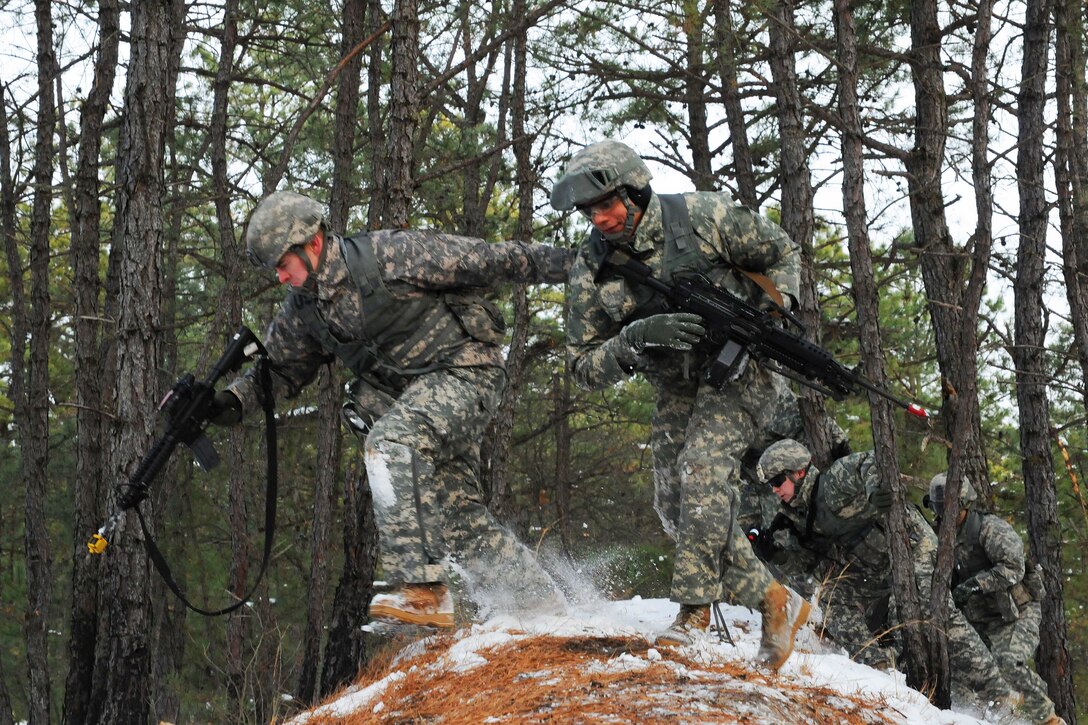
421	407
1005	610
855	569
699	432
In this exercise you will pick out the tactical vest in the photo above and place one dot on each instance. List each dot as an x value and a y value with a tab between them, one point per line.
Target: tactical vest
683	255
395	326
971	559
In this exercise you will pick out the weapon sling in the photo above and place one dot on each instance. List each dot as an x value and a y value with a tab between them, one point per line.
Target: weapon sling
269	509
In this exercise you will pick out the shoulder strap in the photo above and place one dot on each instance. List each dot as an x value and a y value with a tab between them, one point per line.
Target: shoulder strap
675	221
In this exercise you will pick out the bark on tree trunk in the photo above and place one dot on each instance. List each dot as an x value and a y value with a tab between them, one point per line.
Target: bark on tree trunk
403	107
1071	167
124	692
926	653
11	255
1052	657
346	650
725	51
328	472
497	448
698	132
798	216
34	423
85	249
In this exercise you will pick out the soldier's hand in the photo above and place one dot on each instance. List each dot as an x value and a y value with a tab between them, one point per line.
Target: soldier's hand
226	409
965	591
674	330
881	500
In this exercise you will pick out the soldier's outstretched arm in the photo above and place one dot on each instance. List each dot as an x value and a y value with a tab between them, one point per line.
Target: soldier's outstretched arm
441	261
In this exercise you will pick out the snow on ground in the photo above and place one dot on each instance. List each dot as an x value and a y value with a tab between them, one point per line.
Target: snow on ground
617	670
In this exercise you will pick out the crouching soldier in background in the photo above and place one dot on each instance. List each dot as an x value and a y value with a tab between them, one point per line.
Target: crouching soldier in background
401	309
840	516
998	595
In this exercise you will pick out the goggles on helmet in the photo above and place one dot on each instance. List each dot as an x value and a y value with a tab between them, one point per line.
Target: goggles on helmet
583	188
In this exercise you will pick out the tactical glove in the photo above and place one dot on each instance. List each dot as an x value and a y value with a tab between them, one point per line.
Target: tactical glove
674	330
226	409
965	591
881	500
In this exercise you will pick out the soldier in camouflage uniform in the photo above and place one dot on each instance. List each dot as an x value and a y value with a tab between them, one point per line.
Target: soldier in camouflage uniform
998	594
840	516
616	328
402	310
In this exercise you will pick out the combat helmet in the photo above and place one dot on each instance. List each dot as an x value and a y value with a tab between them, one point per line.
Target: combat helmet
599	171
283	220
787	455
937	486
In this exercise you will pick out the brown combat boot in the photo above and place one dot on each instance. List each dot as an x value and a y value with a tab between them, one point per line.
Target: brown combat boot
692	619
784	611
428	605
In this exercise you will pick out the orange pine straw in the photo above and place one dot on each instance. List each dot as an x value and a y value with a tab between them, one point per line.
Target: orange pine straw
553	679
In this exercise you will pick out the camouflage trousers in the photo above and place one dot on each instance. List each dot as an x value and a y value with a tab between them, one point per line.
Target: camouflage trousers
422	461
698	436
1013	647
852	605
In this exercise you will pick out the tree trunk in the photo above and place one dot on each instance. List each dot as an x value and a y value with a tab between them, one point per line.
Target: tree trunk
726	44
34	421
328	472
497	447
14	273
1052	657
85	248
798	215
1071	168
345	652
123	692
379	158
403	107
702	175
926	653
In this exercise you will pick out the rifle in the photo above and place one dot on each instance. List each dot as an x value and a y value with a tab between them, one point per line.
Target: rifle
746	331
187	408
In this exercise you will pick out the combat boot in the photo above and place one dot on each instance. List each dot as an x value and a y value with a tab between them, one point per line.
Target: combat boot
428	605
692	619
784	611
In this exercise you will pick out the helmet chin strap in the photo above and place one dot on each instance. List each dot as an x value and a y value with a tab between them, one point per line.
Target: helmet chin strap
309	287
628	232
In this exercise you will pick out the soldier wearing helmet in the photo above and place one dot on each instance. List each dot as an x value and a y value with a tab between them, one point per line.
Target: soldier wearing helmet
999	593
403	311
616	328
836	521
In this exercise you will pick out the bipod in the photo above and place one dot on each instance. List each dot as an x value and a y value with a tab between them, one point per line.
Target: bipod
719	624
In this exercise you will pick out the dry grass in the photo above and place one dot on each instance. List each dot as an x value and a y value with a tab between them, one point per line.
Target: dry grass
594	680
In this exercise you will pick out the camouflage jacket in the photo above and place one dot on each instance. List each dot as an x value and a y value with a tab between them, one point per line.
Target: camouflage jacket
991	553
736	237
845	528
412	264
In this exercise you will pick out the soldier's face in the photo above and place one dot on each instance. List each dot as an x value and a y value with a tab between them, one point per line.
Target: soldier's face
609	215
786	488
291	271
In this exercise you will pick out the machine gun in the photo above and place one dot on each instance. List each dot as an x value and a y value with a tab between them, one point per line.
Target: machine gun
745	331
187	408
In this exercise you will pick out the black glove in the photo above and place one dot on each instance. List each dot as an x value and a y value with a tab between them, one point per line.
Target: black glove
881	500
674	330
226	409
965	591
